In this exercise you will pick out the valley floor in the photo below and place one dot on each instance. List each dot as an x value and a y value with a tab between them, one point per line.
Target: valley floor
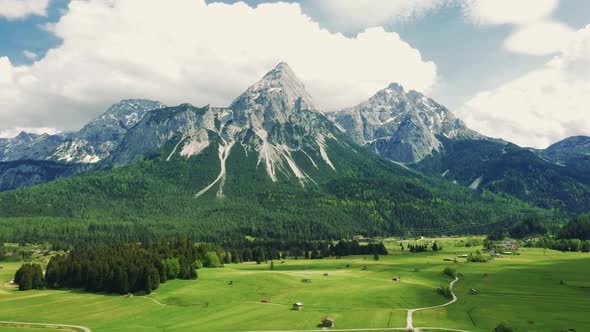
525	291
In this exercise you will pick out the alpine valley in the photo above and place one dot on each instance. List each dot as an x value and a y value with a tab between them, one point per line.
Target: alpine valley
273	165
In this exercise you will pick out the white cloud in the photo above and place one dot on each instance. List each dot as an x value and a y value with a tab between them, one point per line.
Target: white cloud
508	11
534	32
198	53
354	15
543	106
539	38
19	9
30	55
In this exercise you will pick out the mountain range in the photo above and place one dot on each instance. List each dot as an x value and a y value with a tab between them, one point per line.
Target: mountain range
395	161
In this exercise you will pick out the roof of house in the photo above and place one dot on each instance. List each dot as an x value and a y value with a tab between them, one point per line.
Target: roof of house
329	318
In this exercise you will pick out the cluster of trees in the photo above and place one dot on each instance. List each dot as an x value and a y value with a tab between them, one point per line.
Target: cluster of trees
577	228
29	276
422	247
268	250
445	291
124	268
478	257
574	245
450	272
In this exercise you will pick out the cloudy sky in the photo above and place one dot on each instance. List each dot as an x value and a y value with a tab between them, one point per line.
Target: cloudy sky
516	69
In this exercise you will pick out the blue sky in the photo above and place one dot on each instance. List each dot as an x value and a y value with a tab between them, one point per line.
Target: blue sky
468	60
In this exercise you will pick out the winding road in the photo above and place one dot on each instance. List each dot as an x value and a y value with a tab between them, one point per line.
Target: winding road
410	320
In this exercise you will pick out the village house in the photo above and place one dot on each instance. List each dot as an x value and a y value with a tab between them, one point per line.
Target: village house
297	306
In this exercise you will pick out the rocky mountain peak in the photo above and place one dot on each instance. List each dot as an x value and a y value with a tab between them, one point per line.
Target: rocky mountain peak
279	87
402	126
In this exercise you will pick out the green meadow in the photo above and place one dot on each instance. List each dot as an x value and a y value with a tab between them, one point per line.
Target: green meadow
538	290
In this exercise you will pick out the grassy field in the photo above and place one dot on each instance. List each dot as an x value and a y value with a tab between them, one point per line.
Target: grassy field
525	291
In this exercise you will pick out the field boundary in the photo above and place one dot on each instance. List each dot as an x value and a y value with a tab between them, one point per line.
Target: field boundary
48	325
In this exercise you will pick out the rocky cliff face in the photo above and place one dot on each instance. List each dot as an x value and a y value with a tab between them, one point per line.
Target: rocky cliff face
401	126
28	146
274	119
99	138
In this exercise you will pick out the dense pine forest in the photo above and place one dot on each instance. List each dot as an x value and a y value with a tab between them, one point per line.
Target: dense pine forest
134	267
153	199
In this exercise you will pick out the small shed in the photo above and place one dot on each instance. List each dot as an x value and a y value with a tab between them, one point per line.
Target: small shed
328	322
305	280
473	292
365	268
506	253
396	278
325	274
297	306
265	300
463	256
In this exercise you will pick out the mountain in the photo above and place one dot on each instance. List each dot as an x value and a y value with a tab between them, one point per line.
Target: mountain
402	126
274	120
27	173
96	140
486	165
270	165
28	146
567	149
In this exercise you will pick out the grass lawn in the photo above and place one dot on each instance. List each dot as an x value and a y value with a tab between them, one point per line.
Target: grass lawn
523	290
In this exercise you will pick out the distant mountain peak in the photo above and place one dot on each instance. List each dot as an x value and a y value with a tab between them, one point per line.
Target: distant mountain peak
401	125
279	83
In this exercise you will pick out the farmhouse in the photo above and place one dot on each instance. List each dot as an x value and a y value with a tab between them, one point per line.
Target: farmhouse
328	322
297	306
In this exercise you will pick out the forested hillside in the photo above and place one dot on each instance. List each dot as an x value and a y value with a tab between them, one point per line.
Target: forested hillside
154	198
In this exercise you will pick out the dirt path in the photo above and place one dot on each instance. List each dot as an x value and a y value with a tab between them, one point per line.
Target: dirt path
410	319
82	328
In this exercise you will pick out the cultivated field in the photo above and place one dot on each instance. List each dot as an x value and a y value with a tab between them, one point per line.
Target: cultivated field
524	290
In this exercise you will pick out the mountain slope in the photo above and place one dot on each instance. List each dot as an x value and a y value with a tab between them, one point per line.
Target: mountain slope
100	137
274	120
402	126
27	173
269	165
509	169
27	146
